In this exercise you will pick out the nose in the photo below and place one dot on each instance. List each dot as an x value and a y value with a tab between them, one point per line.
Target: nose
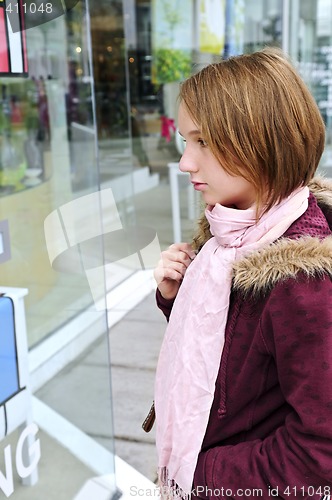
187	162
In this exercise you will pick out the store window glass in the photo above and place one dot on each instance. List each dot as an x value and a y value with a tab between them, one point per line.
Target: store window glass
64	141
263	24
48	145
65	132
310	43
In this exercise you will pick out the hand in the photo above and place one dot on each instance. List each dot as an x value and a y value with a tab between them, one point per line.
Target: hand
172	267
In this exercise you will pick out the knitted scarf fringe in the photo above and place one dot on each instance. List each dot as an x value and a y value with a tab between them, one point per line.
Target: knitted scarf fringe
169	490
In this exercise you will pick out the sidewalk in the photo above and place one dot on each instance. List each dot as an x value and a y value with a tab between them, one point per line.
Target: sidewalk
135	345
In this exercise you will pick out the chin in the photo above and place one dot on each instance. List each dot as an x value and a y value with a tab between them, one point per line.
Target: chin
212	202
209	200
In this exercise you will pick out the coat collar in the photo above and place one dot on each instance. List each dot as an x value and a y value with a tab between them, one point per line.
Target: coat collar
258	273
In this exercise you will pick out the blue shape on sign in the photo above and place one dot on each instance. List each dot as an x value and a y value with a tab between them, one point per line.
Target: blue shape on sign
9	383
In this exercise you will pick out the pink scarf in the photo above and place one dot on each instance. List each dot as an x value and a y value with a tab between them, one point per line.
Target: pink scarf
190	354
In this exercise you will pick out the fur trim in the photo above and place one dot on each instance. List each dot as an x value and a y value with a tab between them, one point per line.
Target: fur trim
203	233
262	270
286	258
321	188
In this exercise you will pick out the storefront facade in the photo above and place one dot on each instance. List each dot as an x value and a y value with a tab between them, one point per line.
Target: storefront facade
87	120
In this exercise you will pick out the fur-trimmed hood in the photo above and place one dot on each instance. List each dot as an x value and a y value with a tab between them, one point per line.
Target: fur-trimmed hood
258	273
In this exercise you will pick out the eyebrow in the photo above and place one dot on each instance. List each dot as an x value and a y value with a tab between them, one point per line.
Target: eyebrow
192	132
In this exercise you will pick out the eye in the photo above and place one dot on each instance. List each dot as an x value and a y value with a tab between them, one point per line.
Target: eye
202	143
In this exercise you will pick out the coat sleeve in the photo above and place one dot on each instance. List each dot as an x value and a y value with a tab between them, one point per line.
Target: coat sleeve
295	461
165	305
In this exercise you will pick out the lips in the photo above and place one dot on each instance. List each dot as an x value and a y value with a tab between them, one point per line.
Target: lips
198	185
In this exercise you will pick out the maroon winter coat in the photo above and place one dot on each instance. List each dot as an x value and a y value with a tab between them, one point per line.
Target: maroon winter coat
270	429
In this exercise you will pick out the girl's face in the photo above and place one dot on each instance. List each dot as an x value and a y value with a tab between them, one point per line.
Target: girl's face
206	172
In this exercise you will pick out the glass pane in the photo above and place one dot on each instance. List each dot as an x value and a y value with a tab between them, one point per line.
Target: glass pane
311	45
57	206
263	24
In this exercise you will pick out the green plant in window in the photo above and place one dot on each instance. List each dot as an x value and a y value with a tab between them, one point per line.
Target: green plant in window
171	65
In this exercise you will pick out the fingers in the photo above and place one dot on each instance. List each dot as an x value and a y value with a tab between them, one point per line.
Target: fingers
174	262
185	248
180	253
170	270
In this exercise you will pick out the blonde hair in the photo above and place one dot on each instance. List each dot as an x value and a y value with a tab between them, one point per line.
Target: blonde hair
259	120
